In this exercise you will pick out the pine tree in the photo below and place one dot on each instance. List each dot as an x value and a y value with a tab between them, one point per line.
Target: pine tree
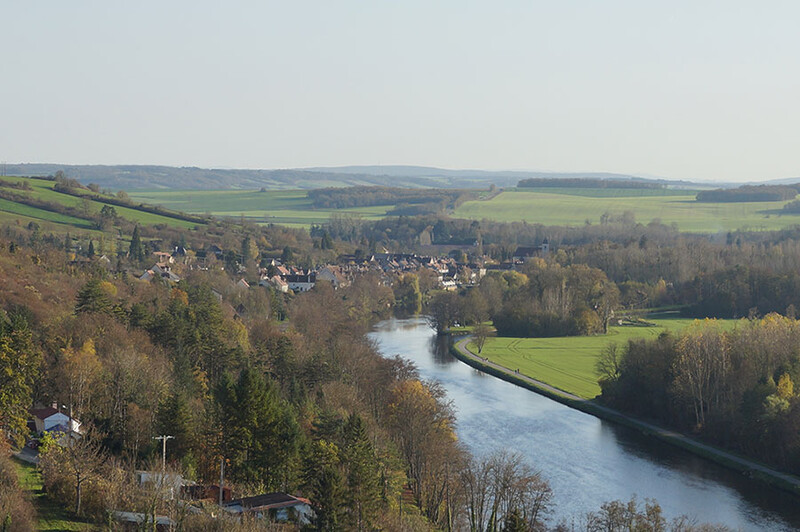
325	485
90	251
92	298
19	366
363	473
136	250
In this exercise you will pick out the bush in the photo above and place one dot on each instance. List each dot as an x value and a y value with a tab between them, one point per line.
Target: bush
16	512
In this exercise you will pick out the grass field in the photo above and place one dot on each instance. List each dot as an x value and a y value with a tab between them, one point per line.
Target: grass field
51	515
555	206
43	190
286	207
568	362
548	206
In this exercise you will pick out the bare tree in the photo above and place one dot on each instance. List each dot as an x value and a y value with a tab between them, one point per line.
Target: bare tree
84	456
481	332
501	485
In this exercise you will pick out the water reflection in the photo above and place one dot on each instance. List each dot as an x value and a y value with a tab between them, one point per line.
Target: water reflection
586	460
439	347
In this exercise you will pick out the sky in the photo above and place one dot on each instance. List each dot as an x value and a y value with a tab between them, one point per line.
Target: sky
701	90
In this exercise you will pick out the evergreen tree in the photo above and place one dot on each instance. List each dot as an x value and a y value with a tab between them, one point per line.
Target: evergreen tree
136	250
175	418
92	298
514	522
363	490
90	251
19	366
323	479
259	431
287	255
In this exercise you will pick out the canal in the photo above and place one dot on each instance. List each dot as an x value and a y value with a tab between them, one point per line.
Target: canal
587	461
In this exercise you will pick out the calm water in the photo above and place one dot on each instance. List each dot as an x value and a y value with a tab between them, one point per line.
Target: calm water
586	460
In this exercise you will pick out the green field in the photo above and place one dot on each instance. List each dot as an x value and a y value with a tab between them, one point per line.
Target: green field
564	206
43	190
568	362
50	515
286	207
548	206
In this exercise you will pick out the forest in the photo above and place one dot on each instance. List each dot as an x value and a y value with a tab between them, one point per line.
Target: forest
542	182
749	193
287	392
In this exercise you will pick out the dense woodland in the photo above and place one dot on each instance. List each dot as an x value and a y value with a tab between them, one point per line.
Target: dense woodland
288	391
586	183
749	193
405	201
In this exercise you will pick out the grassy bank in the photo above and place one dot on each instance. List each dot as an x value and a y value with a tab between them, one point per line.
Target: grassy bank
568	363
50	515
752	469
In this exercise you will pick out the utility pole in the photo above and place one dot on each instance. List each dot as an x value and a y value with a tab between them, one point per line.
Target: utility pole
163	439
221	478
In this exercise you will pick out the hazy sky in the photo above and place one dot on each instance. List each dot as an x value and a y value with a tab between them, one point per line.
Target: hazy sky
694	90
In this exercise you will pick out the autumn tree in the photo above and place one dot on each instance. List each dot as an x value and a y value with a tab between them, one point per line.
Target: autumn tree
20	361
77	461
78	373
481	332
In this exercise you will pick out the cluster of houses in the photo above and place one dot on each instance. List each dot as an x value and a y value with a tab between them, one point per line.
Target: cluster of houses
277	506
450	273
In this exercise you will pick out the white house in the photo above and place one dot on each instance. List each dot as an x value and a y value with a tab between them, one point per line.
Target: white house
301	283
51	419
276	506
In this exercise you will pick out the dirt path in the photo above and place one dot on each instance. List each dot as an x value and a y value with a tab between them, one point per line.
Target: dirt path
718	455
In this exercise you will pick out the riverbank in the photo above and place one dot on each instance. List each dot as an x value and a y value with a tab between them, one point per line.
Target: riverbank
752	469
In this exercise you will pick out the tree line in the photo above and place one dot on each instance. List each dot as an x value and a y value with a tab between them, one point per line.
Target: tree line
733	388
749	193
576	182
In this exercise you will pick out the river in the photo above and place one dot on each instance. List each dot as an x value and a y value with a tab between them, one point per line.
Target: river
587	461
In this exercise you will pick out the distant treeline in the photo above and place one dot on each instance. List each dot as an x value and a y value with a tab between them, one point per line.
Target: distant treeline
749	193
585	183
408	200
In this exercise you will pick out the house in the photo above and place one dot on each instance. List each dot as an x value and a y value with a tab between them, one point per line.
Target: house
164	257
241	283
301	282
50	419
172	483
525	253
140	521
161	270
209	493
332	274
276	506
276	281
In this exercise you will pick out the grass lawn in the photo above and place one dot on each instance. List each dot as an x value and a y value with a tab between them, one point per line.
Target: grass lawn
51	515
557	206
568	362
285	207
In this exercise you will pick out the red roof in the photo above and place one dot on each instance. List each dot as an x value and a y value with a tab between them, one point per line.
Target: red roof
43	413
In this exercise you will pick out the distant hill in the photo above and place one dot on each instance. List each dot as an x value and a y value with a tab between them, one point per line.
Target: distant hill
132	177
